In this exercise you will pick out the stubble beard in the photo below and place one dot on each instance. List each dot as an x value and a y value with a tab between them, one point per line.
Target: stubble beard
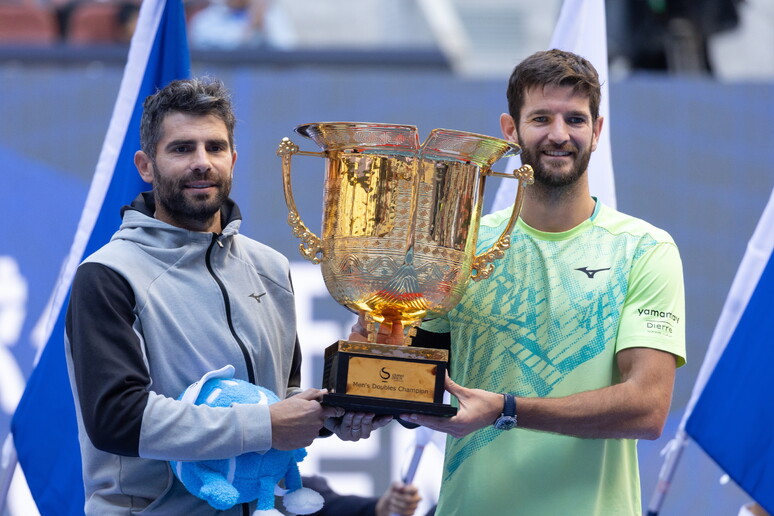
195	210
548	185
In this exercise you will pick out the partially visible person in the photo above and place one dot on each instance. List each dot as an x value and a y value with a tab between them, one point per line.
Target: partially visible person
235	24
176	293
566	354
752	509
126	17
401	499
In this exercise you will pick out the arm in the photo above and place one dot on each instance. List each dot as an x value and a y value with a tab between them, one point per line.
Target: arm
121	413
288	416
634	408
297	420
108	366
636	405
123	416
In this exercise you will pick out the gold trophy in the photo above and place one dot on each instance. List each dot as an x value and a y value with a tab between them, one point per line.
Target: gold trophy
398	243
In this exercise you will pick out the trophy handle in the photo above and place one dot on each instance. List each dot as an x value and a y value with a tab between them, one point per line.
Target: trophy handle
482	264
311	245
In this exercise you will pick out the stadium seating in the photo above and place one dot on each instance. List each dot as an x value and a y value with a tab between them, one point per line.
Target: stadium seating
27	24
93	23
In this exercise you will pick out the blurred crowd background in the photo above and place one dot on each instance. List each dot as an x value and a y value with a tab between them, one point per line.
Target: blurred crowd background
678	36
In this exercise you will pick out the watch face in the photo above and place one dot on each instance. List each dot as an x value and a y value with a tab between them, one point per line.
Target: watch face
505	422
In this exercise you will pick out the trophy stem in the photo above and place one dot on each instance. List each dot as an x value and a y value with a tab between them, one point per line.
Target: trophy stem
372	332
370	327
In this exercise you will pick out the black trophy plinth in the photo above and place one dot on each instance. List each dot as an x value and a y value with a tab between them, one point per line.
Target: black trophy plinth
386	380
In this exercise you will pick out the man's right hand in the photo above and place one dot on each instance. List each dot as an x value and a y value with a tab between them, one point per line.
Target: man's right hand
401	499
296	421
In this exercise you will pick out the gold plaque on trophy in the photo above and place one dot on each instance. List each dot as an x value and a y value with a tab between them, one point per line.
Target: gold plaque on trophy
398	244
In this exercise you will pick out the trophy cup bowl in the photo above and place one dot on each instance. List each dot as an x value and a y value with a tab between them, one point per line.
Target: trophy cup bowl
398	243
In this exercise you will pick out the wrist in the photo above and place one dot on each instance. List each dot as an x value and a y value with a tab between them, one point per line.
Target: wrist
497	407
507	419
382	508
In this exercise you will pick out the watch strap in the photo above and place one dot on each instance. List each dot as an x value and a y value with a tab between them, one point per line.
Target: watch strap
509	404
507	419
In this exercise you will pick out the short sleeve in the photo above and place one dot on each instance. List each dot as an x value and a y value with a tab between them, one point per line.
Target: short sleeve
653	314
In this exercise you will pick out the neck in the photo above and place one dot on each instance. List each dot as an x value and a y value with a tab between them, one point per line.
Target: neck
555	210
203	226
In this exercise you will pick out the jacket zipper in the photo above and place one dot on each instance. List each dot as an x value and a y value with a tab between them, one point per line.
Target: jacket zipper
227	302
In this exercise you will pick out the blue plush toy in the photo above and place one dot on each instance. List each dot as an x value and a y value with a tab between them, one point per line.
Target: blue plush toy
251	476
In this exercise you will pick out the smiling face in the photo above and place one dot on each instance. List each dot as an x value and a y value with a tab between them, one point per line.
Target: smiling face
191	172
556	133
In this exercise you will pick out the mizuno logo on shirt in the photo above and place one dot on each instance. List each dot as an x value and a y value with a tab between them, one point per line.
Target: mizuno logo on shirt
592	272
257	297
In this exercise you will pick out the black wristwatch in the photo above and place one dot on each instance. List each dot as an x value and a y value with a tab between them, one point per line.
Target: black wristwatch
507	419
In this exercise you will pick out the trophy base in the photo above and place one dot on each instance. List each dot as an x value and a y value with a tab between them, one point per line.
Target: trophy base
382	406
385	379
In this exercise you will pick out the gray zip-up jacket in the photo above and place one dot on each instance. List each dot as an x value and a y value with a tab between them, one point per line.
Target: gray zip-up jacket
149	314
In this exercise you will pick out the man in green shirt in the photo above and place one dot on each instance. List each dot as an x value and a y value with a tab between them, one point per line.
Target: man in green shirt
573	342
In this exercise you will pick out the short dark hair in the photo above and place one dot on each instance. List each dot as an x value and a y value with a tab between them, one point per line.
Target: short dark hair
198	96
553	68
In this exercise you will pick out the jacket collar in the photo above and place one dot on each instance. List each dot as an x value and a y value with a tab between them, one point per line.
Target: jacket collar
145	203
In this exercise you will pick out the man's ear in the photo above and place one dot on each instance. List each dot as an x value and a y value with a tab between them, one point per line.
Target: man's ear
508	128
144	166
597	130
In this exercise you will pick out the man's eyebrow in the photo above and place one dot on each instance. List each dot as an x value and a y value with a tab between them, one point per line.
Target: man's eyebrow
582	114
175	143
542	111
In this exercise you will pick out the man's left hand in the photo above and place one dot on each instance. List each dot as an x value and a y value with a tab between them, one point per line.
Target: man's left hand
477	409
354	426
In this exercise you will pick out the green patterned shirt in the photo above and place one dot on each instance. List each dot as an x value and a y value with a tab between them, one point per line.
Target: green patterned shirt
548	323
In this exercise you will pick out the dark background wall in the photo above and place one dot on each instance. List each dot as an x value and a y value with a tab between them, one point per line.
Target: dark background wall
693	156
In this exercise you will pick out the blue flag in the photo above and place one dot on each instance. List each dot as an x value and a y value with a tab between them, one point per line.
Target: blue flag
733	416
44	426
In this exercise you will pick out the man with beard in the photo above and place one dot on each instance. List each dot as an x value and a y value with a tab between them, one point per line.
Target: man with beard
176	293
573	342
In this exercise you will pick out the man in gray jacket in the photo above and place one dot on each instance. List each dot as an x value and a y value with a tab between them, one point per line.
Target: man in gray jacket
178	292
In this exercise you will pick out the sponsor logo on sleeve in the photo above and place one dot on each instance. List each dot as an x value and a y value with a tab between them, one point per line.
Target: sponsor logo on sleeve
659	321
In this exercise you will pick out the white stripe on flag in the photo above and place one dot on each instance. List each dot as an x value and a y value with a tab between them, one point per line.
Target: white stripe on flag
148	21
